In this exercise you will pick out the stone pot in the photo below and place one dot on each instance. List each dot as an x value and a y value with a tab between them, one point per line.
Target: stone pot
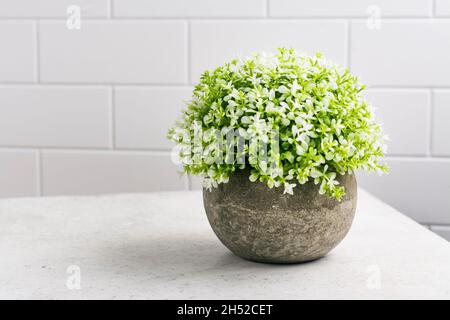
265	225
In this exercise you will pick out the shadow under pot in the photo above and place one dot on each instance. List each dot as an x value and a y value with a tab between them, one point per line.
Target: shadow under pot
265	225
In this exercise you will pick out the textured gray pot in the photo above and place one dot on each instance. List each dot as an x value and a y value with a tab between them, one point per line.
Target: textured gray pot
265	225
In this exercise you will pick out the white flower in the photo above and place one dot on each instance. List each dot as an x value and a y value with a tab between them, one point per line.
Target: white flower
271	94
331	182
263	166
322	189
285	121
258	128
254	176
234	94
304	126
270	107
295	87
255	80
283	89
289	188
337	126
209	183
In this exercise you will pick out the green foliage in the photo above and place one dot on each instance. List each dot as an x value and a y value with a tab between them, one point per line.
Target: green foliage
324	125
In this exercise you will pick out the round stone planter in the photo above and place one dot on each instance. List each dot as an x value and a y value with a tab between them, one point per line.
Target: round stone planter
265	225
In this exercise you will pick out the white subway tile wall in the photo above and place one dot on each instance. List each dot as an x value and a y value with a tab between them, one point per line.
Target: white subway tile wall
442	8
18	51
402	53
54	116
94	172
213	42
191	8
410	108
349	8
19	171
144	114
113	52
441	123
84	107
52	8
419	187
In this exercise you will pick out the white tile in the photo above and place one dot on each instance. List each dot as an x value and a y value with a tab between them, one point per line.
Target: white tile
349	8
441	123
17	49
214	43
443	231
18	173
442	8
51	8
54	116
405	53
419	188
114	52
191	8
108	172
404	116
143	115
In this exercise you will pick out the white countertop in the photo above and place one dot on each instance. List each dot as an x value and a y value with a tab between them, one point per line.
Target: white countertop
160	246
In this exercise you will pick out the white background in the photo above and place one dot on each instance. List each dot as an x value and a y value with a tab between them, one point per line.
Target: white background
85	111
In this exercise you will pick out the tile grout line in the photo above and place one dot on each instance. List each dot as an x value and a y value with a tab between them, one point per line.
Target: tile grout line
417	158
79	148
312	18
93	84
155	151
106	150
184	85
447	225
409	87
266	9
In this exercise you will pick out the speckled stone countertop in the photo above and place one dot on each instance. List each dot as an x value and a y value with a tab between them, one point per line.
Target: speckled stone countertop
160	246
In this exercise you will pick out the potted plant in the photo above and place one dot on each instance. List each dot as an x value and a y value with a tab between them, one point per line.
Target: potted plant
277	139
